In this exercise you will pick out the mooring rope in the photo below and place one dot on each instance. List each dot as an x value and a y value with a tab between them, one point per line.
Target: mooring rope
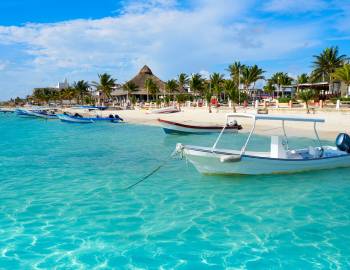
153	171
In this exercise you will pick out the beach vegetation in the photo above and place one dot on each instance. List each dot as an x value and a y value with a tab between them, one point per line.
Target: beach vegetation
232	92
281	79
208	95
284	99
152	89
305	96
81	90
182	81
197	84
133	100
327	62
235	71
343	74
303	78
171	87
216	83
105	84
269	89
149	84
181	98
250	75
130	87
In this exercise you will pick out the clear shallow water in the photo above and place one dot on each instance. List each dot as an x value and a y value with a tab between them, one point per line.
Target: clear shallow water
62	205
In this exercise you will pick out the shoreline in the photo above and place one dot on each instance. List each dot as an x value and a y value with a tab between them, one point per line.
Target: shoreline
335	122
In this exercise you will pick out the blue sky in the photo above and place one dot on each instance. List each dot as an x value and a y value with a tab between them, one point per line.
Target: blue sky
43	42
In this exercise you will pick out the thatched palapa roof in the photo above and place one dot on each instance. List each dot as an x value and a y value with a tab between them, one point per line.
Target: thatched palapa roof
144	74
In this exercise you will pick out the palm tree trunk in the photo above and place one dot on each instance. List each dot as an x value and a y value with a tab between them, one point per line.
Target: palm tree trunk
307	107
233	106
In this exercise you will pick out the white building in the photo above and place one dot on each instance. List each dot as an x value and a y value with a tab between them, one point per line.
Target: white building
63	85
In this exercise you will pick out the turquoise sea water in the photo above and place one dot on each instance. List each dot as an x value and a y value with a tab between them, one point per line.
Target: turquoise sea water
63	205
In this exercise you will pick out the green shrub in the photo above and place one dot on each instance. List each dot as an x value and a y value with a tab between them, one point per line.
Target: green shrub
284	99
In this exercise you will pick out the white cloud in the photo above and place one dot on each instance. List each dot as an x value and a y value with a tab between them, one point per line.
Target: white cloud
3	65
168	39
295	6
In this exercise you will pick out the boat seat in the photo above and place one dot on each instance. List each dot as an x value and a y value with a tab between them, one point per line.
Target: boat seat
315	152
293	155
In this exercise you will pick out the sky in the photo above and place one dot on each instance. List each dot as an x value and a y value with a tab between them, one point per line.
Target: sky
43	42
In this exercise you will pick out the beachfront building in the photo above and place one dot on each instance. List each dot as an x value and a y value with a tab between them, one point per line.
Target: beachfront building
335	88
59	86
324	89
142	94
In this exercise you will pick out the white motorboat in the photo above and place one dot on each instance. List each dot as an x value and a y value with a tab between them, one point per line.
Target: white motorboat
171	127
280	158
74	119
166	110
7	110
46	114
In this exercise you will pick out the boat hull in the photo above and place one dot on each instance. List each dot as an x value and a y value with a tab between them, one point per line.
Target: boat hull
86	120
7	111
166	110
208	162
45	116
170	127
70	119
25	113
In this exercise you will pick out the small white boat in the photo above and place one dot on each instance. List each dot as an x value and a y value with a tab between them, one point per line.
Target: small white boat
171	127
166	110
7	110
280	158
74	119
26	112
80	119
44	114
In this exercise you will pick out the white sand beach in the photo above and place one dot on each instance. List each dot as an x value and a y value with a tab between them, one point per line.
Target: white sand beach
336	121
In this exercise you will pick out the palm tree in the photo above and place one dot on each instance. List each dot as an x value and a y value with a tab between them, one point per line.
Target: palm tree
269	88
303	78
196	83
208	94
216	81
182	80
148	85
326	63
343	74
235	70
171	86
68	94
105	84
232	92
130	87
82	89
280	79
181	98
152	88
250	75
306	95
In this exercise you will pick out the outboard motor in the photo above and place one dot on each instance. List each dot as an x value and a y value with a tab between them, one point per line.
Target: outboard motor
343	142
118	117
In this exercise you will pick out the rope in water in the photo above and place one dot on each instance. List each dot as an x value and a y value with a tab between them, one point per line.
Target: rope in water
152	172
